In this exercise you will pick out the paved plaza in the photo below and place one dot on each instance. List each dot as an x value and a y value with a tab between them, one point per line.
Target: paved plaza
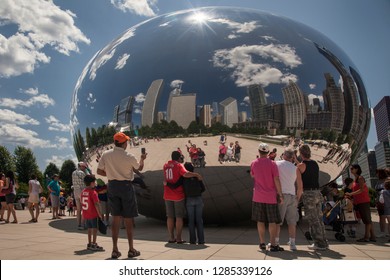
60	240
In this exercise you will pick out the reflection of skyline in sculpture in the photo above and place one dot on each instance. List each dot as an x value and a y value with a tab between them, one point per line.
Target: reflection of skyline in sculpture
152	99
238	71
123	113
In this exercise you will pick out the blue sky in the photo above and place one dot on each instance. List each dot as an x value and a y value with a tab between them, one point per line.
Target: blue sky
44	46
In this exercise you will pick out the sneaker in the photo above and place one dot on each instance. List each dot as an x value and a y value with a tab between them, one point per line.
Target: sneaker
90	246
315	247
96	247
276	248
293	247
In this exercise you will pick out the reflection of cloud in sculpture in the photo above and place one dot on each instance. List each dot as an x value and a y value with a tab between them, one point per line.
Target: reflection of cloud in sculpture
176	83
122	61
108	52
140	98
237	27
312	96
312	86
247	72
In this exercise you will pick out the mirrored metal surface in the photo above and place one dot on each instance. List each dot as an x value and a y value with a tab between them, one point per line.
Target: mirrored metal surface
194	74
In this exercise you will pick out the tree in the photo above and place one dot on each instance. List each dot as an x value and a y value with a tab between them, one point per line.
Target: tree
50	170
25	163
67	169
6	160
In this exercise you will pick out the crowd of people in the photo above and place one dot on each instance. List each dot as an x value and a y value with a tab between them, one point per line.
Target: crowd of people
279	185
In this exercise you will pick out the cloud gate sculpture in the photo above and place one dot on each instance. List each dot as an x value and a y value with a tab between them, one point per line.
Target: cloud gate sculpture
195	74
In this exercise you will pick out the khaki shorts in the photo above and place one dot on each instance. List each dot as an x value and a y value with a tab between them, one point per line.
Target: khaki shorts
175	209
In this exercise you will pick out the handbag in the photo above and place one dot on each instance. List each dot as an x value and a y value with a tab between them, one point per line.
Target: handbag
102	226
7	190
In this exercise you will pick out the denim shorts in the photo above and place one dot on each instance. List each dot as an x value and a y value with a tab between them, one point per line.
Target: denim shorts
91	223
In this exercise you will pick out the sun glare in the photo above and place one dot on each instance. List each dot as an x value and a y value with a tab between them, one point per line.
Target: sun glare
198	18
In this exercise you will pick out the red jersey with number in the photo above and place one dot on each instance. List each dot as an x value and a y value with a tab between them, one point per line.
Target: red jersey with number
88	199
173	170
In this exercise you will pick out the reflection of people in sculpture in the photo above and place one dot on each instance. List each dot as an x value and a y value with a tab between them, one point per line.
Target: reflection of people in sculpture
174	196
117	165
308	174
237	152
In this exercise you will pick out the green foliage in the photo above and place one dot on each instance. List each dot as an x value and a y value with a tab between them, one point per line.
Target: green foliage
67	169
372	194
50	170
6	160
25	163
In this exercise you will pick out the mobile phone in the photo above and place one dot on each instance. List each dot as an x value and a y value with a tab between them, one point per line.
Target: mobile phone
143	151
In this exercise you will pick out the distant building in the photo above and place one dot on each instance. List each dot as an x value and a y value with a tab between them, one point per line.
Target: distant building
367	162
152	99
382	153
229	111
382	118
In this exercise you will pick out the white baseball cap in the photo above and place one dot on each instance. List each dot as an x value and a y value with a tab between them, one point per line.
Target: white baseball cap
263	148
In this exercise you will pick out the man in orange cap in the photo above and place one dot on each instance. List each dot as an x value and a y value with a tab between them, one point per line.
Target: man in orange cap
118	165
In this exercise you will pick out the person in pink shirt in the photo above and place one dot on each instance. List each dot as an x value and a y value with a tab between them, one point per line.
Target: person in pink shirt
267	193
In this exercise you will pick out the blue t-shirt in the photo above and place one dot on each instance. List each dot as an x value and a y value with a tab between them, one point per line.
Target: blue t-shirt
55	187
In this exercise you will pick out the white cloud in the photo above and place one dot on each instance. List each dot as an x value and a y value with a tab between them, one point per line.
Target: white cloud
139	7
137	111
31	91
56	125
246	99
122	61
312	86
38	24
140	98
16	135
176	83
59	160
11	117
247	71
39	99
13	134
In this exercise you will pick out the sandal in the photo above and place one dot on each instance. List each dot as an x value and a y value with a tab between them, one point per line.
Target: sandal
372	239
133	253
181	241
363	240
172	241
14	222
115	255
31	221
262	246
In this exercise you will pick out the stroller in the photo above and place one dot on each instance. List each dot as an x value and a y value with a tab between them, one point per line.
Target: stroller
337	214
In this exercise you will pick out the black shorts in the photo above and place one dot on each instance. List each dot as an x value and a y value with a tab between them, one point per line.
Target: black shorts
121	198
365	212
2	198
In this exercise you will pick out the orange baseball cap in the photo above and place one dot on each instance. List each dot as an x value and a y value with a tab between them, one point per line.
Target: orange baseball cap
120	137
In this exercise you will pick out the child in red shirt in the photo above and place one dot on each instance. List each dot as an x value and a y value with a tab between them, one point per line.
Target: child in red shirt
91	211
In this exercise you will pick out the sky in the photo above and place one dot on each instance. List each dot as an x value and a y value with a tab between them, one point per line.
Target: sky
45	45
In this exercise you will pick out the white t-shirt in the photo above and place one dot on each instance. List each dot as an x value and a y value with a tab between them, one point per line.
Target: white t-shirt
287	176
35	186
